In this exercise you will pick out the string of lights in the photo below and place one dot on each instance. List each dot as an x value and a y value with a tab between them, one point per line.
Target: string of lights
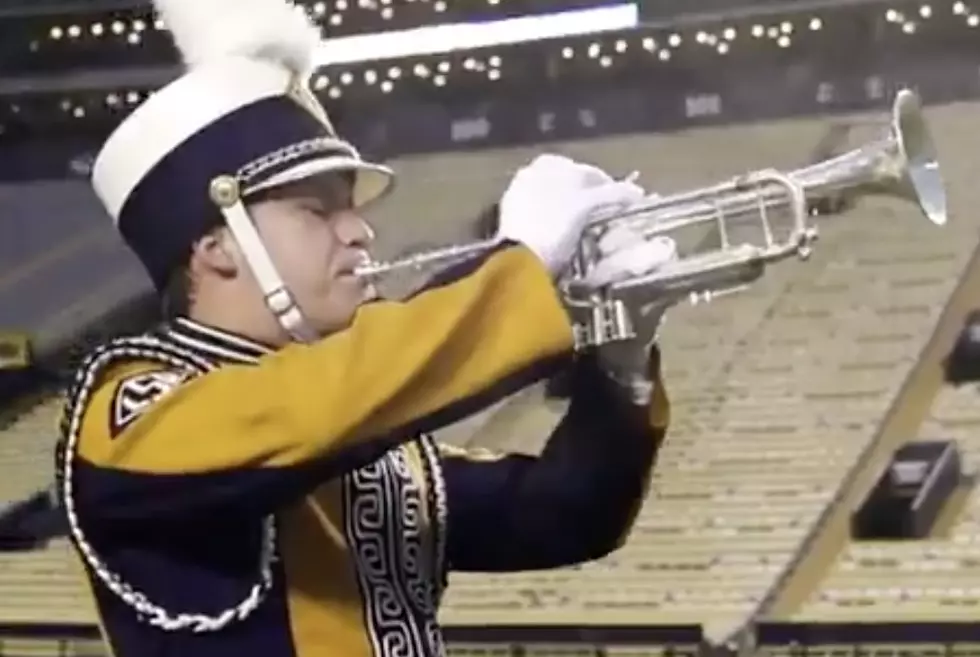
37	41
837	35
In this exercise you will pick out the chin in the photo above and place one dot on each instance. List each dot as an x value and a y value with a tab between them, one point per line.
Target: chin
343	320
335	325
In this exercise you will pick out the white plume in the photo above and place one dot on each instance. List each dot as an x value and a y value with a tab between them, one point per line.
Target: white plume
273	30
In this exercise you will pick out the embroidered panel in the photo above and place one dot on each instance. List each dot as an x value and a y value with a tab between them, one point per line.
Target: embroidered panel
394	527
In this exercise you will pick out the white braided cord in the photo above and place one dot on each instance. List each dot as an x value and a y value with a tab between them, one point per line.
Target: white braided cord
286	154
153	349
440	507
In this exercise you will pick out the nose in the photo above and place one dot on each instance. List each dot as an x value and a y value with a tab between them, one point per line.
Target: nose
352	230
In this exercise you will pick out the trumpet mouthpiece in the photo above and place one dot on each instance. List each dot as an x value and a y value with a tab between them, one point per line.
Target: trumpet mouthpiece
369	270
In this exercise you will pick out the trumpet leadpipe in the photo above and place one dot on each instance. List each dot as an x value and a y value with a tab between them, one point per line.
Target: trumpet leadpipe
444	256
434	259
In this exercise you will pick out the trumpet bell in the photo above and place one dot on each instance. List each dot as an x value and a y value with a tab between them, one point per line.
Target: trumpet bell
903	164
923	177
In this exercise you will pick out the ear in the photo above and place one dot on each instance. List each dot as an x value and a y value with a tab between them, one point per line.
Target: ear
217	253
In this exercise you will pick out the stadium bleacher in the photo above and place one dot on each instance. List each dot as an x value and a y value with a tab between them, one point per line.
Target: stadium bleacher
934	579
788	398
53	233
776	396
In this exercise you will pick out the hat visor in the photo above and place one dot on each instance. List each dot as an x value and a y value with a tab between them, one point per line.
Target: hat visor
372	181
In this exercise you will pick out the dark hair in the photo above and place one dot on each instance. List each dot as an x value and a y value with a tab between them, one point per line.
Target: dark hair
178	294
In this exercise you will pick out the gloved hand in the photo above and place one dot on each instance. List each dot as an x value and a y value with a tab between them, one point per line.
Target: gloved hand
626	255
549	202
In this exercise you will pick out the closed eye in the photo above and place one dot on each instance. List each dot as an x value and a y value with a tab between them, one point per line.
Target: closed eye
318	211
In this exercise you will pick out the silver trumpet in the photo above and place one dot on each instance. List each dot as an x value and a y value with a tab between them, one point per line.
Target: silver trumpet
727	233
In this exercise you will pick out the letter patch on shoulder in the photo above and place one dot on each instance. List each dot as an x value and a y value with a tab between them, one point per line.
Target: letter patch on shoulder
137	393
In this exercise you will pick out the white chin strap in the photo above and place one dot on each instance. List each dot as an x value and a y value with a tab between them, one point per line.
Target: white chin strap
225	192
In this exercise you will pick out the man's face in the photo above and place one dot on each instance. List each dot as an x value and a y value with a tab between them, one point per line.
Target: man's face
316	239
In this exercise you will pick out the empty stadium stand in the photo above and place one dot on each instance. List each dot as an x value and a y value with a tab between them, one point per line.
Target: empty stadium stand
778	399
777	396
59	244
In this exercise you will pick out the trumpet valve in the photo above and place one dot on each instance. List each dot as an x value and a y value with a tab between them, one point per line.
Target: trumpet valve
600	322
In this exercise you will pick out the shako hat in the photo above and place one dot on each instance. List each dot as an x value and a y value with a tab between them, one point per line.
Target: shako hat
241	119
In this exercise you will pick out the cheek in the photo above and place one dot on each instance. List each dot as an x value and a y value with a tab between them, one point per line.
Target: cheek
303	244
305	249
316	258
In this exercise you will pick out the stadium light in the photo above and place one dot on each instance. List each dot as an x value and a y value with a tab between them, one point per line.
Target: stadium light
451	37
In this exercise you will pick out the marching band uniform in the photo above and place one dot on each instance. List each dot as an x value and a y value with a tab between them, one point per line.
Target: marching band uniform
358	534
230	499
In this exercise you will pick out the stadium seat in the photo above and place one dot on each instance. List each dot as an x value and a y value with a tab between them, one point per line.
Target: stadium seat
42	584
38	586
26	449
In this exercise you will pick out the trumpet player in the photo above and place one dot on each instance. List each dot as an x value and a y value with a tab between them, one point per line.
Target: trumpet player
257	477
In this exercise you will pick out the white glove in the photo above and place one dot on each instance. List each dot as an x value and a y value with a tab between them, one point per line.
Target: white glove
550	201
625	254
628	255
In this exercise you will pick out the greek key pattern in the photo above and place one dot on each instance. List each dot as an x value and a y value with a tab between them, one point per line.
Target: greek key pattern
392	530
